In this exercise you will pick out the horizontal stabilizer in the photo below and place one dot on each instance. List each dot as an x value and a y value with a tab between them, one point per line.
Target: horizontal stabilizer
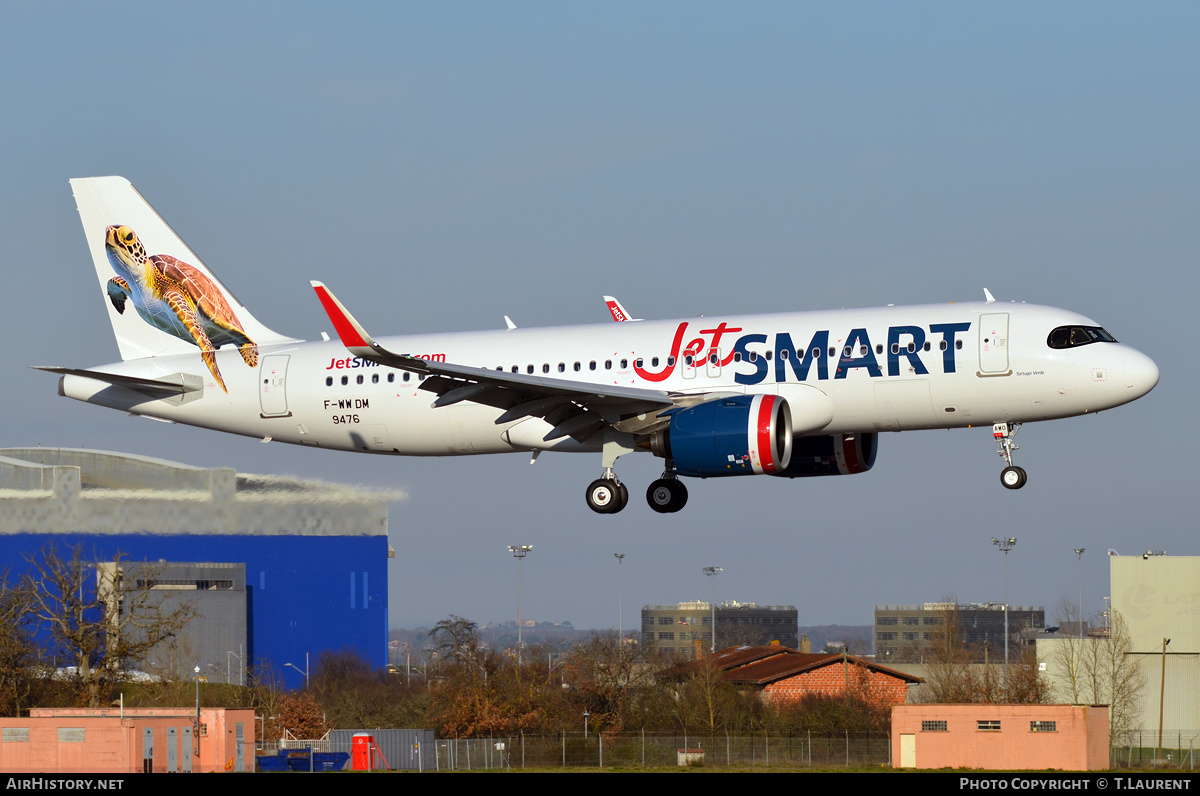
174	384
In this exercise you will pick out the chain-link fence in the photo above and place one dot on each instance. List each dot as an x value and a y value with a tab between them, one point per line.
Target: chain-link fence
1140	749
569	750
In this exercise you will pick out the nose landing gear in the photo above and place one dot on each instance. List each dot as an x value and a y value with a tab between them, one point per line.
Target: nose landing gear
1012	477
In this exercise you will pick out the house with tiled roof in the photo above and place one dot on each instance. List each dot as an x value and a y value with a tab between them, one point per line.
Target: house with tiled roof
784	675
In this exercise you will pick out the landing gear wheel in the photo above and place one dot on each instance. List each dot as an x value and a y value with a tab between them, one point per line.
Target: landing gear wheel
604	496
624	496
1013	477
667	495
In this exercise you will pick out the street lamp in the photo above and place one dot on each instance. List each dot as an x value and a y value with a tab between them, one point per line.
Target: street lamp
519	552
303	671
620	596
1079	551
241	668
196	730
1005	545
712	573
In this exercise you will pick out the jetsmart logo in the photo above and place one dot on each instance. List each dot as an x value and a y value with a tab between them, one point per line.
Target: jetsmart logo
755	353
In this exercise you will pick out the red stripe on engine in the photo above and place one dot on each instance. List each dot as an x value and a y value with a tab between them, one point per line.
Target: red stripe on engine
765	454
850	452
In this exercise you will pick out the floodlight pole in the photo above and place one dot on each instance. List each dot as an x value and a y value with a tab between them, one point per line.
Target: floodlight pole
1005	545
620	595
1079	551
712	573
519	552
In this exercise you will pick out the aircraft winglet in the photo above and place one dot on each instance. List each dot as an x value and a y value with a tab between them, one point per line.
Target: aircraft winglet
351	332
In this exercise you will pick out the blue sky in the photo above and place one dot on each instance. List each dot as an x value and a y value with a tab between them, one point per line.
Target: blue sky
442	165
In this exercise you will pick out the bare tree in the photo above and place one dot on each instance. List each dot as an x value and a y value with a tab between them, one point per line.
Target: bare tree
100	622
950	678
18	649
1100	669
457	639
1116	678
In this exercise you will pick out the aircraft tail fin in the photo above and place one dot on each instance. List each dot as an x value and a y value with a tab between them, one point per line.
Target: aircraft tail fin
161	298
619	314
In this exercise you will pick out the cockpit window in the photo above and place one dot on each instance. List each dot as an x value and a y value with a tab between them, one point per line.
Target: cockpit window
1072	336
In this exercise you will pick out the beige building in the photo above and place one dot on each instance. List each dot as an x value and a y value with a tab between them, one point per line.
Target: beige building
1001	737
1154	597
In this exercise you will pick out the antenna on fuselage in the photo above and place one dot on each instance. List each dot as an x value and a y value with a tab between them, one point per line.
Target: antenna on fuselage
987	294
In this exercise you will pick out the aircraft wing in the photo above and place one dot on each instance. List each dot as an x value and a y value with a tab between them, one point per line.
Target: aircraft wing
574	409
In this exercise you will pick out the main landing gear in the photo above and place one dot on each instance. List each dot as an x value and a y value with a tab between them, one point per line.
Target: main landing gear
667	495
1012	477
607	495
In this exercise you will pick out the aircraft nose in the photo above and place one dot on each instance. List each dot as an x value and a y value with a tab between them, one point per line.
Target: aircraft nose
1141	374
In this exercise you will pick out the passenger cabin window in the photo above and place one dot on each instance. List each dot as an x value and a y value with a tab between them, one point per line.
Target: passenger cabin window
329	381
562	367
374	378
359	379
391	377
592	365
545	367
608	364
345	380
577	367
1072	336
529	368
407	375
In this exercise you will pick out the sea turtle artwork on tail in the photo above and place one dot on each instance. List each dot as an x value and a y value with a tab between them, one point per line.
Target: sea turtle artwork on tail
175	297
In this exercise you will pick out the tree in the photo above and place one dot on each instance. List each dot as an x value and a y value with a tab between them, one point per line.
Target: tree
18	650
99	628
950	680
953	678
607	678
1101	670
302	716
457	639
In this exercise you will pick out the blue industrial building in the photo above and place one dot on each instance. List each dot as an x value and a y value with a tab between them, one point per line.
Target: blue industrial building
315	554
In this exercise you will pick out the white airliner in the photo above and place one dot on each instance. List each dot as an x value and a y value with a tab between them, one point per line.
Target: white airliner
787	394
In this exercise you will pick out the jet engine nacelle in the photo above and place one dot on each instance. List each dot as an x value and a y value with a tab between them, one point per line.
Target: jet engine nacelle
742	435
836	454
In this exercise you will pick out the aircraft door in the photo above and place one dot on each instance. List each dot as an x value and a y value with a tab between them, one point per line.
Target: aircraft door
713	366
687	365
993	344
272	385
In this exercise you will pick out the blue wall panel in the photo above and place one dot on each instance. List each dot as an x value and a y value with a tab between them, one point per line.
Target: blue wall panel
305	593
